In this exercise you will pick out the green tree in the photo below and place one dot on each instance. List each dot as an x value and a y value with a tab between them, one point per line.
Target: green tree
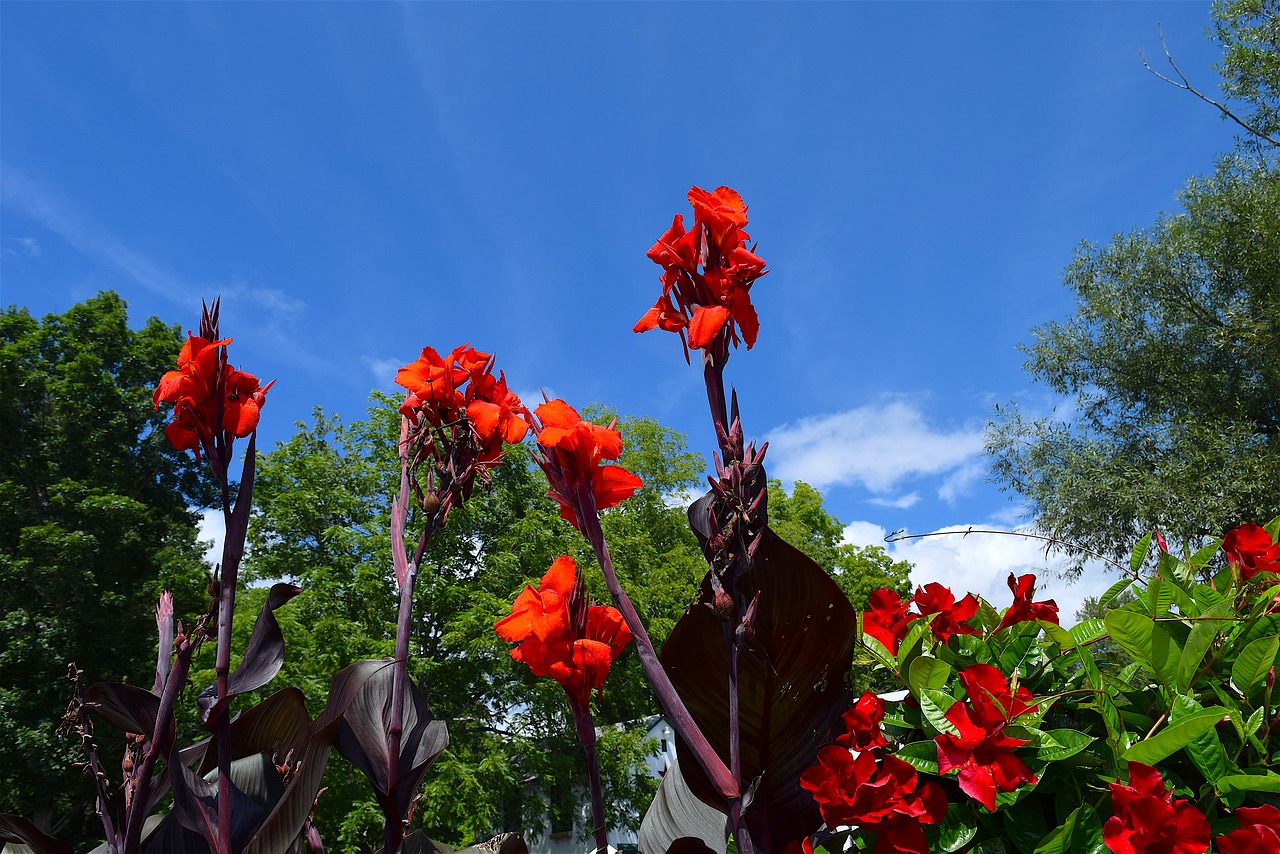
95	521
1171	361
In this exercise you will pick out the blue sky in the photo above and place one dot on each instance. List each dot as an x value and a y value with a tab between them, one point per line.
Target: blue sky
358	180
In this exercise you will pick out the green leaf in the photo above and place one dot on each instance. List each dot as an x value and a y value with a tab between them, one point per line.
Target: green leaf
1202	635
1065	743
1175	736
1025	824
957	828
911	644
1206	751
990	846
1113	591
1253	663
921	755
1058	635
1146	642
1273	528
1201	558
927	672
1088	631
1140	554
934	705
1233	783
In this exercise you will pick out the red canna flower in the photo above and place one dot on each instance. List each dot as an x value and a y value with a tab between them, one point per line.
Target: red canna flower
888	620
1259	832
213	404
1147	819
560	638
1250	550
879	795
573	451
1023	609
981	752
934	598
707	274
862	724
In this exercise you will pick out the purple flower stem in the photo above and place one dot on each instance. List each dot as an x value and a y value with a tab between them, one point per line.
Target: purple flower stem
589	523
586	727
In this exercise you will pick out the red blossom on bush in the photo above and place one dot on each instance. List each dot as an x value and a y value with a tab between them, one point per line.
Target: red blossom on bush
707	275
882	796
1250	550
1023	609
981	752
209	397
1147	819
862	724
888	620
1259	832
559	638
934	598
572	453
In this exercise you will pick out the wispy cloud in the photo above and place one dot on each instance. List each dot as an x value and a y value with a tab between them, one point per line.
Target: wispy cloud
212	531
876	446
981	563
959	481
383	370
900	503
20	247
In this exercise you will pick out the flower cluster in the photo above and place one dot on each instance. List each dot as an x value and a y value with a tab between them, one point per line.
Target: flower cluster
981	751
853	783
211	400
889	619
562	635
1249	550
1147	819
707	273
1259	832
572	451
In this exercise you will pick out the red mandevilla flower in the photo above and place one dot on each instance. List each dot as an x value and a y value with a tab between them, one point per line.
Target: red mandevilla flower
888	620
880	796
1149	820
707	273
862	724
209	397
573	451
553	644
1259	832
1023	609
1250	550
981	752
934	598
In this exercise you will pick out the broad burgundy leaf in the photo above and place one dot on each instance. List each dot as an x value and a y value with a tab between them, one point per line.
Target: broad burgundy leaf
278	725
792	678
262	658
363	737
125	706
255	788
16	830
677	817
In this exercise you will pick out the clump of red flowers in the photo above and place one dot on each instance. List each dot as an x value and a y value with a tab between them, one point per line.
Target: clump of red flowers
1147	819
1259	832
981	751
458	415
213	404
572	452
853	783
1250	550
707	273
889	619
1023	609
562	635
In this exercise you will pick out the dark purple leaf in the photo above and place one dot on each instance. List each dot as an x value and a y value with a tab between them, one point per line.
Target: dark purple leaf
125	706
363	738
16	830
277	725
255	789
262	658
793	685
676	817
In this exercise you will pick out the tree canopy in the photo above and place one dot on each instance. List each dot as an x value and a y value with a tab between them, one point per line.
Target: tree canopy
94	522
1170	365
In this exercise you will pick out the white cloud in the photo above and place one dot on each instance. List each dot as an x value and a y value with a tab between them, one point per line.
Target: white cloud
383	370
959	481
900	503
20	247
212	530
981	563
876	446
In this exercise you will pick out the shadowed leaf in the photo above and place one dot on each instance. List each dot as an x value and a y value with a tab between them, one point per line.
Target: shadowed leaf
262	658
793	685
20	834
124	706
677	817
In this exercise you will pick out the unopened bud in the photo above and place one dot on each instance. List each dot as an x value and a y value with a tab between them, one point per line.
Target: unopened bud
127	765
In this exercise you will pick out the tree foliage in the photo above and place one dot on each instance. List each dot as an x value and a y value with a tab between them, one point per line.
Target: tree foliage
94	522
1170	365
